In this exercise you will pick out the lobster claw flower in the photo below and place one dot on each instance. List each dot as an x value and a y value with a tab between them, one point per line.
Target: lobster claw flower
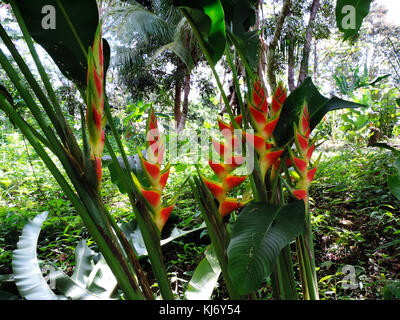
95	118
305	148
265	119
156	176
223	169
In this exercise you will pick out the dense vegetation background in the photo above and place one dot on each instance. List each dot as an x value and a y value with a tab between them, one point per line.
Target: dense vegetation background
157	63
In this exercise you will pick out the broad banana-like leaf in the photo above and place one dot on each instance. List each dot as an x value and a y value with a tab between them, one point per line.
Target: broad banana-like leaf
27	274
205	277
49	28
89	281
134	235
207	18
259	234
102	281
318	106
350	15
83	263
134	166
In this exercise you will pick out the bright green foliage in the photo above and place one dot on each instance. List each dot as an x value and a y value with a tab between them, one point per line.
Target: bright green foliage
208	18
261	232
318	106
61	43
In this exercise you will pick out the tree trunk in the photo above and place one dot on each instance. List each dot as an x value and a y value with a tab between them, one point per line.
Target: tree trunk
185	105
291	63
262	61
307	44
178	94
315	61
271	63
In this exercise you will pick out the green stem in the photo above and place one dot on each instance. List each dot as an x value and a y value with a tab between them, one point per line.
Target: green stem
215	232
237	86
308	274
151	236
114	264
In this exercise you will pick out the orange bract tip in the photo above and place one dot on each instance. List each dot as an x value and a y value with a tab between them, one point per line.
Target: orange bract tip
269	128
300	165
152	197
215	188
300	194
163	179
232	181
229	205
258	116
153	170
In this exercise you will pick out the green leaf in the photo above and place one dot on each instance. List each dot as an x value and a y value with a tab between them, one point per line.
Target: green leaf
102	281
398	102
207	17
134	166
392	291
394	180
83	263
60	42
239	14
248	44
259	234
134	235
205	277
318	106
350	15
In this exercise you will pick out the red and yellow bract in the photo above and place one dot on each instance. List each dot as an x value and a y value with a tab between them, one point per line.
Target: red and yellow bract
95	118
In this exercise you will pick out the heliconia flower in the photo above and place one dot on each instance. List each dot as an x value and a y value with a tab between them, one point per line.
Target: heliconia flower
223	168
265	119
304	148
229	205
95	117
156	177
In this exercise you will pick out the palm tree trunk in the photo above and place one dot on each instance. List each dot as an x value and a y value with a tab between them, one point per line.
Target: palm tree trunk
185	105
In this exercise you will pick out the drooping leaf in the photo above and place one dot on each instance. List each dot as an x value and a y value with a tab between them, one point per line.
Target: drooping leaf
317	104
60	42
205	277
27	274
102	281
207	17
134	235
258	236
71	288
83	263
239	14
248	44
87	282
239	17
134	166
350	15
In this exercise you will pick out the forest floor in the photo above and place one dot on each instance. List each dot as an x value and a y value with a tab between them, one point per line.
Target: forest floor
355	219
